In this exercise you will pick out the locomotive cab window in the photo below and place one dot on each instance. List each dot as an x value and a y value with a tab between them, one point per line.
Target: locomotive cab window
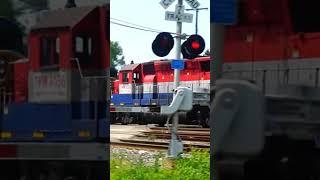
50	50
136	77
125	77
83	49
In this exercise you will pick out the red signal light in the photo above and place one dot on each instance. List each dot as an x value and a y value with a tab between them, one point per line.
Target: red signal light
164	42
192	47
195	45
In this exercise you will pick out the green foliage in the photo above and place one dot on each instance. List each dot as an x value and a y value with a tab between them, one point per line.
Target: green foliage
116	54
35	5
113	72
6	9
197	167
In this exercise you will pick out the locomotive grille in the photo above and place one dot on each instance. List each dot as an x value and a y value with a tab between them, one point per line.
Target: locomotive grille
287	108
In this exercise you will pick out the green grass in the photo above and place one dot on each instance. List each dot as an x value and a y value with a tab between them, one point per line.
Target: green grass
197	167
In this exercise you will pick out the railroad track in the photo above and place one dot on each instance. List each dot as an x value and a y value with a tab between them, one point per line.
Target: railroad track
183	129
187	134
153	145
157	138
182	137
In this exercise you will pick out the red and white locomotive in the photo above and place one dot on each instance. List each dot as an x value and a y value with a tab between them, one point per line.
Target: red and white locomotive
142	88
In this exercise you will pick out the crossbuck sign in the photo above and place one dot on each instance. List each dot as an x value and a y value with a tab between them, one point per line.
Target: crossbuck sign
179	14
192	3
166	3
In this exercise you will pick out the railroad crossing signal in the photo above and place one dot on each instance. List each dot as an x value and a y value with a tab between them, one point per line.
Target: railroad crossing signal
176	145
193	46
163	44
190	49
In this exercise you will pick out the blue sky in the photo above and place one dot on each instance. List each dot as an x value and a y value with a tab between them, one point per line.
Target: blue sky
136	44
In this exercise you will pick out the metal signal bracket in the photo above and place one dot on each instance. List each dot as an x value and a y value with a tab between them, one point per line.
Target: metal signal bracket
182	101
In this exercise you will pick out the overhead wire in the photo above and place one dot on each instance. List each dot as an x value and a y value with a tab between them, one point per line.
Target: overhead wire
144	27
137	27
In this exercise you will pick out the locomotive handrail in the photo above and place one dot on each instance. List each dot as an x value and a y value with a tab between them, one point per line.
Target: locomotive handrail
87	77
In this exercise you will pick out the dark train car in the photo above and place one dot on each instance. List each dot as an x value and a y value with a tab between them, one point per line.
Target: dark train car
54	114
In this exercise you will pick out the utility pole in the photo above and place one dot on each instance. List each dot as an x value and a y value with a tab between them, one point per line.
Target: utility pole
197	11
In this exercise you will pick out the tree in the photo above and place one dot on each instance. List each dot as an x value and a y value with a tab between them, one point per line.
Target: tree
113	72
6	9
116	56
11	9
33	5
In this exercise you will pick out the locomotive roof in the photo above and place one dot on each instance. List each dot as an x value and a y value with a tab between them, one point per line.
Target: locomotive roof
63	18
129	67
